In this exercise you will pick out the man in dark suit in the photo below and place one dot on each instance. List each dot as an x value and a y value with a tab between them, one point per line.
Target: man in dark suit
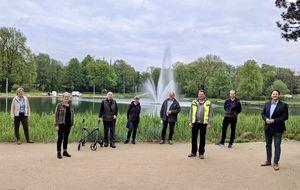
274	114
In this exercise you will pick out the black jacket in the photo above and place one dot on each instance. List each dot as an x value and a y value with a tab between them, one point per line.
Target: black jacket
108	109
175	109
133	112
232	108
280	114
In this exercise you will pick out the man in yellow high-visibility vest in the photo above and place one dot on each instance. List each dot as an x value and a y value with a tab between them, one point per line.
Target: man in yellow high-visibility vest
200	118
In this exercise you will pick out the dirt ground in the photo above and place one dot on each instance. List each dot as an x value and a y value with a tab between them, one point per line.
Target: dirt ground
147	166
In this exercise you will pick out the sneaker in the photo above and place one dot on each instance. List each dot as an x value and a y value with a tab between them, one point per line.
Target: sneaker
191	155
66	154
162	142
18	142
133	142
230	146
59	155
220	144
113	145
30	141
170	142
126	141
201	156
105	144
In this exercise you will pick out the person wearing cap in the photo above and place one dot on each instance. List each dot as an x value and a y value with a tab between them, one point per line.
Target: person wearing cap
168	115
20	112
133	119
64	120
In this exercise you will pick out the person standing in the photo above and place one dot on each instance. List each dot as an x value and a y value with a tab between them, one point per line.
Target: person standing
20	112
133	117
109	112
168	115
274	114
64	121
232	107
200	118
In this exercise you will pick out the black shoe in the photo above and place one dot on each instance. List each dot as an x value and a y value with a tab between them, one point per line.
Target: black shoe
126	141
133	142
59	155
230	146
105	144
66	154
220	144
191	155
113	145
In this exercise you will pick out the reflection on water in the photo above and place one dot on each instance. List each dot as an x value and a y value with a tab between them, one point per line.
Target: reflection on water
82	105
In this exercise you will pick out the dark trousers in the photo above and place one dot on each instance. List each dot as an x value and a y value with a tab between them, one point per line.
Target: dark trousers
63	136
164	129
132	128
277	142
195	131
226	121
24	119
109	126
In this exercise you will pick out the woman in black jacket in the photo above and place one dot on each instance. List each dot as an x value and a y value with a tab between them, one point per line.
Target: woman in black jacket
133	117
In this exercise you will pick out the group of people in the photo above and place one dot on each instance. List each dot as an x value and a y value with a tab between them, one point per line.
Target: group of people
274	115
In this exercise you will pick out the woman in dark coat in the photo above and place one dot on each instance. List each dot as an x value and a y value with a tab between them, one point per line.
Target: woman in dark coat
133	117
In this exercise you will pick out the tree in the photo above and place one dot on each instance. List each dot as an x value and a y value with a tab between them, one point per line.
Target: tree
205	68
74	76
288	77
291	19
250	80
86	60
102	75
281	86
16	60
125	76
220	83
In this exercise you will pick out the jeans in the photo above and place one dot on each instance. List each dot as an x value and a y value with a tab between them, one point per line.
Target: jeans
277	142
63	136
132	127
226	122
195	131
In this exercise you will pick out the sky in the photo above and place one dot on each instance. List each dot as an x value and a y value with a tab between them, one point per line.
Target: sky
138	31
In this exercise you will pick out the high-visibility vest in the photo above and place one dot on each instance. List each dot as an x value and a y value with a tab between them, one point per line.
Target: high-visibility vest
206	111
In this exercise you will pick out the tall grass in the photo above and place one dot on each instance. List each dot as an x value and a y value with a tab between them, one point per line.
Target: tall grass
41	128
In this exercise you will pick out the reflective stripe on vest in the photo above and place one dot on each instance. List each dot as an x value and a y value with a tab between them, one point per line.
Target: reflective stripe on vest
206	111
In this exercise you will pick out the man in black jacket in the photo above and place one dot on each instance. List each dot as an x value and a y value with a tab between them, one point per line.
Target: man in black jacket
109	112
232	107
168	114
274	114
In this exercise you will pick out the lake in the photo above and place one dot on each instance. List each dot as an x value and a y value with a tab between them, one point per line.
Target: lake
82	105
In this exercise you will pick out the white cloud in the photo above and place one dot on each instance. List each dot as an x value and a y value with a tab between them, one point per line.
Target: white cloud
139	30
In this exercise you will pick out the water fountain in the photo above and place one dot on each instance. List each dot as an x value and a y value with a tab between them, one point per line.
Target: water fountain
157	94
166	81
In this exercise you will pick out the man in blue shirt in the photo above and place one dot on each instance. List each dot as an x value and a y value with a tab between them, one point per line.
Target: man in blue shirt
274	114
